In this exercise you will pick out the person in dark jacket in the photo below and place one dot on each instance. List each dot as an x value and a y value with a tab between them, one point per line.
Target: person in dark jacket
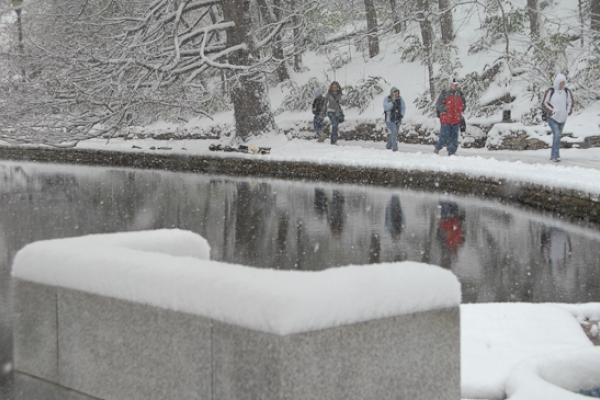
318	110
450	106
394	109
333	109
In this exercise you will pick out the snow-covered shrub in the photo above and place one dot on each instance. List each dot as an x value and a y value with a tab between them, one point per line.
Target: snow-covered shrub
513	19
336	57
362	94
217	102
411	48
550	55
300	97
472	85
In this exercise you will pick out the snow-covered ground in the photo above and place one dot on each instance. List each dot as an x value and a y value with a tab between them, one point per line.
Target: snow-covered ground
580	169
497	338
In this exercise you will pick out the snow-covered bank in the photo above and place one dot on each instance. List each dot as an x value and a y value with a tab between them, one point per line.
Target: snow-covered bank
356	155
564	375
496	338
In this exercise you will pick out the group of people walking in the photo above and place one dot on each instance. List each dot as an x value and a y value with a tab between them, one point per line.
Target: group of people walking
450	106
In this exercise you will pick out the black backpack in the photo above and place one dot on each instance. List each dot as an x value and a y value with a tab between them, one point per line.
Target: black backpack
546	112
317	105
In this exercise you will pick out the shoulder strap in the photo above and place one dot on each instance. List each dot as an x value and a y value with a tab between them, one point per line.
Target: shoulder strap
548	95
570	94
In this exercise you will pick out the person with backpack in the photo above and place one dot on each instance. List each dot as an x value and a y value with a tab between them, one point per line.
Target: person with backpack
556	107
450	106
318	110
333	108
394	109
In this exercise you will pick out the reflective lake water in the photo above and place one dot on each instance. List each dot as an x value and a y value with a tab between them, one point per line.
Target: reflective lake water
500	253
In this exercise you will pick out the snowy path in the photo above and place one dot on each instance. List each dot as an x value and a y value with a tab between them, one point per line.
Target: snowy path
579	171
587	158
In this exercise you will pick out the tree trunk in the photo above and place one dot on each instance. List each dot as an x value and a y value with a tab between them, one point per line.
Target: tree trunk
581	21
534	20
446	21
298	37
505	31
395	17
278	53
595	15
251	105
372	28
20	30
271	16
427	38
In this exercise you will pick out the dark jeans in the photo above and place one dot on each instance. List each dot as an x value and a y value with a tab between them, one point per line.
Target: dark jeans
318	123
333	118
448	138
557	129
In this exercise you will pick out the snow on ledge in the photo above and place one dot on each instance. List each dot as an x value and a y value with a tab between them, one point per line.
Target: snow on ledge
557	376
170	269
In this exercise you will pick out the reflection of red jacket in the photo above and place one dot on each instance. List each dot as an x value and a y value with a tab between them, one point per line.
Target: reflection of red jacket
450	106
453	232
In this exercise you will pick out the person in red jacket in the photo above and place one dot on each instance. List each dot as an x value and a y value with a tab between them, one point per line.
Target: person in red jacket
449	106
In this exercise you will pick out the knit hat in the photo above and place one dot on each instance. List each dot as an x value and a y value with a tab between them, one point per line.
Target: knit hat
394	89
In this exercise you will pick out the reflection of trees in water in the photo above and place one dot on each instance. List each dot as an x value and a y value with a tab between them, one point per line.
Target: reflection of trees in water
253	210
394	218
499	264
300	227
375	249
556	246
5	307
281	246
302	245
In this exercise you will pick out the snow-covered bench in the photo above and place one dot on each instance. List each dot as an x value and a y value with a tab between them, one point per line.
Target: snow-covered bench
147	315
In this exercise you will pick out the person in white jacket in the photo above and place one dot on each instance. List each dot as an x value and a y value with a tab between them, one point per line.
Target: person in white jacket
558	102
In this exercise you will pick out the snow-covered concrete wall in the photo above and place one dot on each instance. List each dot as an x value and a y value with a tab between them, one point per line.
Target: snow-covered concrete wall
124	317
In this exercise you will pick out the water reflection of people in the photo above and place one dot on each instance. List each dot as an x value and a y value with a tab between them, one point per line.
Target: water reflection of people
450	231
336	216
556	246
320	202
394	217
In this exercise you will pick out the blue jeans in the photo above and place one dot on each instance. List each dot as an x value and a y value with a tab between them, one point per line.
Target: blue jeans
557	129
333	118
392	142
448	138
318	123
